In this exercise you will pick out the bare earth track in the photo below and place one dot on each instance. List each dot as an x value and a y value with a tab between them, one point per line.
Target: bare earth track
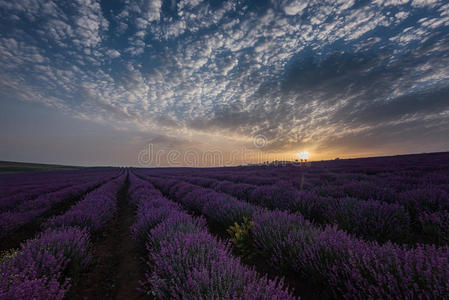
116	268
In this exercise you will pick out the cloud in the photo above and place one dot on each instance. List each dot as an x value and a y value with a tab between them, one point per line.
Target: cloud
295	7
188	3
113	53
424	3
299	72
153	12
90	23
30	9
391	2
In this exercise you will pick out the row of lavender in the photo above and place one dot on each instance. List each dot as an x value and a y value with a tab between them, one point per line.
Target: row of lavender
328	181
380	178
408	170
368	219
18	182
185	261
42	267
47	183
27	211
388	206
15	191
390	187
349	267
379	175
14	183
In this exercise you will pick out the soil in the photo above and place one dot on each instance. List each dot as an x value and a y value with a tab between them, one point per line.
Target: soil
116	268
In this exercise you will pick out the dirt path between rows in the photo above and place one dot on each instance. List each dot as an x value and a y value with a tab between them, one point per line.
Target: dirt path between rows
116	268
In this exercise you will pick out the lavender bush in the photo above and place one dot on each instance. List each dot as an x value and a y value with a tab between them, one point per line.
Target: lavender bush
197	266
35	271
348	266
186	262
426	199
17	191
93	211
219	209
435	227
40	268
32	275
30	210
372	220
351	267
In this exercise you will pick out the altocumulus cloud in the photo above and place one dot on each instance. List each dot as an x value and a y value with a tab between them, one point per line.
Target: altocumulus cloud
321	74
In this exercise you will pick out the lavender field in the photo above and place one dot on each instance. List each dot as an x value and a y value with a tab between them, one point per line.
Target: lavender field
224	149
374	228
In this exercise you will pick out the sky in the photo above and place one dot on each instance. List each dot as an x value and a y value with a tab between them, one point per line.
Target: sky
196	82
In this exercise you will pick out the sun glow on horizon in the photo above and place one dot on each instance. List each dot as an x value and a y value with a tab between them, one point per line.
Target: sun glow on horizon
304	155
